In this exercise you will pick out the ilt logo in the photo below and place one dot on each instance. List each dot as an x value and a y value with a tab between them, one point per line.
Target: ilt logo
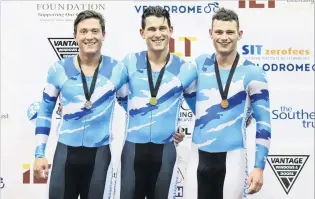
254	4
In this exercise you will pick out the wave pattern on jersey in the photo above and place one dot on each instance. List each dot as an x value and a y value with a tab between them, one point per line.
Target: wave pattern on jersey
218	129
155	123
79	126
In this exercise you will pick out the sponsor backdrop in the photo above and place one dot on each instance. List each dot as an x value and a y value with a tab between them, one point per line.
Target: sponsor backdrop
278	36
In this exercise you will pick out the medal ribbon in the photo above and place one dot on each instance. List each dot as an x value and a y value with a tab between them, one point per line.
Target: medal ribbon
154	90
85	87
224	94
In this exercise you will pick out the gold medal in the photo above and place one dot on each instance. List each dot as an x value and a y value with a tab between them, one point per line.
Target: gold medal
153	101
88	104
225	104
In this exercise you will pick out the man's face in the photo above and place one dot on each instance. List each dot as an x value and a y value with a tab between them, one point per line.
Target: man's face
225	35
156	33
89	36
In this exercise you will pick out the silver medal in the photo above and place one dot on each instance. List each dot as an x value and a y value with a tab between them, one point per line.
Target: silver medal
88	104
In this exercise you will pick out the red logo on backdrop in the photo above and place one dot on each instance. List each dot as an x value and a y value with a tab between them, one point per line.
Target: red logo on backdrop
254	4
27	175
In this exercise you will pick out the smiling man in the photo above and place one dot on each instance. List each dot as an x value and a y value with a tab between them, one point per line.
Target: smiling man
229	90
157	82
86	85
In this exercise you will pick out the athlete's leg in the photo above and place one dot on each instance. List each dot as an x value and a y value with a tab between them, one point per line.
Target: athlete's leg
190	181
109	176
142	172
219	175
210	175
154	168
84	178
164	172
81	160
142	169
63	176
125	183
236	175
94	173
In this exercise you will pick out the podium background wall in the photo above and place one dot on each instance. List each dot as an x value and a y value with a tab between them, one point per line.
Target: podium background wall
280	39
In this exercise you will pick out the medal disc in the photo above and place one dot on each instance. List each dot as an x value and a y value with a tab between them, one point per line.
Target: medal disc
153	101
88	104
225	104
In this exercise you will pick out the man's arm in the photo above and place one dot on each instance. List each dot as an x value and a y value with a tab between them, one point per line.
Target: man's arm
190	96
122	96
190	77
43	120
44	116
120	75
123	88
259	97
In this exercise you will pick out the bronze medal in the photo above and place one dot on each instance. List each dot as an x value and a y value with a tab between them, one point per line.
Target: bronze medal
224	93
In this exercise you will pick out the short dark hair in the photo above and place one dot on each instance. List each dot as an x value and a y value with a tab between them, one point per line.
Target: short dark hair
223	14
156	11
87	14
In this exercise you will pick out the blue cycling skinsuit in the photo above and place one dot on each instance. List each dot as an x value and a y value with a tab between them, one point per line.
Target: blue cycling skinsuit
148	163
217	168
81	164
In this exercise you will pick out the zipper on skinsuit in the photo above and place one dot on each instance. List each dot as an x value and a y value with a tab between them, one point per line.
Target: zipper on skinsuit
153	77
83	130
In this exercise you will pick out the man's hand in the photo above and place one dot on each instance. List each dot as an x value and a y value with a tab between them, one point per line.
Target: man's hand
41	164
178	136
249	120
255	181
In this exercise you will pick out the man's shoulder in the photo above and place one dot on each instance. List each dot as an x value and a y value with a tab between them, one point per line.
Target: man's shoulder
248	63
109	60
252	68
62	64
135	55
253	72
59	68
204	56
204	59
177	60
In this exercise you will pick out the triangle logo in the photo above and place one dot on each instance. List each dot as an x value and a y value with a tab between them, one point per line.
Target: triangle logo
287	168
64	47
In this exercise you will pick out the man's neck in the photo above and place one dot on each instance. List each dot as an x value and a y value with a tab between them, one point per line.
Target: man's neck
225	61
90	61
157	60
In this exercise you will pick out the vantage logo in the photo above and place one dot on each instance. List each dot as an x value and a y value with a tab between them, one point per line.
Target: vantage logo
287	168
64	47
